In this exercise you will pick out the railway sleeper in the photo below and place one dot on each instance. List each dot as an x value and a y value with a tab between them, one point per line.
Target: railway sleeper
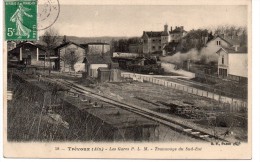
204	136
187	130
195	132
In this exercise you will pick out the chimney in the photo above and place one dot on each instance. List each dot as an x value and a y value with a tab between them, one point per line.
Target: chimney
171	28
181	27
175	27
64	39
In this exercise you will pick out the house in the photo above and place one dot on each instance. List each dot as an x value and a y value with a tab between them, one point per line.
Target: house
233	63
216	43
177	34
154	41
28	53
73	49
94	62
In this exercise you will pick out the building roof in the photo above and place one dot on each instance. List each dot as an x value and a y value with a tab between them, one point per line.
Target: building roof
98	59
103	69
97	43
116	117
120	118
68	43
28	43
241	50
165	33
85	45
153	33
234	41
223	40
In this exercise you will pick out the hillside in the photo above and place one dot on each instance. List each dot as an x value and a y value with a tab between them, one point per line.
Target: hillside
81	40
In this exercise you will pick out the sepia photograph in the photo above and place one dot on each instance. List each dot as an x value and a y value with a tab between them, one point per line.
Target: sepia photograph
151	77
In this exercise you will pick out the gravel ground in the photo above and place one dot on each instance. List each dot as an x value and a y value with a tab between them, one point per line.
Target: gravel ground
131	92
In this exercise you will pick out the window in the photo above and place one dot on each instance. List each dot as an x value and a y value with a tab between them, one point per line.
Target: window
222	59
218	43
153	47
160	47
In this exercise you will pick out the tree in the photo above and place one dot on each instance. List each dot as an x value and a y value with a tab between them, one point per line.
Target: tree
50	38
230	31
122	45
71	57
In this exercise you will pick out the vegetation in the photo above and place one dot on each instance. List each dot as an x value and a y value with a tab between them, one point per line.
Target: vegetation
50	38
71	57
122	45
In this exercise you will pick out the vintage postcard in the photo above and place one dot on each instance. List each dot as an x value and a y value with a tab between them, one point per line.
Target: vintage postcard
127	79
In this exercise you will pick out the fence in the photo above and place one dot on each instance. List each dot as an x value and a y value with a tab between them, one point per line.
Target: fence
234	104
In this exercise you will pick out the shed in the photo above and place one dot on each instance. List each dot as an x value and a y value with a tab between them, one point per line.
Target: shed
115	124
103	74
106	123
93	62
28	53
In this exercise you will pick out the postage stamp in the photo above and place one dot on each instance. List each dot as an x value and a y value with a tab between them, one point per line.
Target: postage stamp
20	20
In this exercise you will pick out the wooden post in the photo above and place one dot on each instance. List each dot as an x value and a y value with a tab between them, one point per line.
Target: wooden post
232	105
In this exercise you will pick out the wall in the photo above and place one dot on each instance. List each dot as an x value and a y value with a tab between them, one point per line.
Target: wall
164	41
223	54
238	64
156	44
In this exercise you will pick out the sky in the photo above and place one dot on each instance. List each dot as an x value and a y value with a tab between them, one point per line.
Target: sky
132	20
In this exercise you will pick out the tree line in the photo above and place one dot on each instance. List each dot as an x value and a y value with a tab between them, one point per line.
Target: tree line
122	45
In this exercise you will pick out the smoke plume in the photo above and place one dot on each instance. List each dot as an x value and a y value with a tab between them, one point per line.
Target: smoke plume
203	56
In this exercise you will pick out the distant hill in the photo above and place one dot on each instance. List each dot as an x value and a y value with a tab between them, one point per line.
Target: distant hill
82	40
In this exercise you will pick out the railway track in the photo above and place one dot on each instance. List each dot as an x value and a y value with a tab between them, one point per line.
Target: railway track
162	119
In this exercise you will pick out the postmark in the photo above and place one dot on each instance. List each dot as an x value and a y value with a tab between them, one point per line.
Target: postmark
20	20
48	13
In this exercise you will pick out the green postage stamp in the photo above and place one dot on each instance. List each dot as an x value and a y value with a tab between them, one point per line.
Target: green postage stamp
21	19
